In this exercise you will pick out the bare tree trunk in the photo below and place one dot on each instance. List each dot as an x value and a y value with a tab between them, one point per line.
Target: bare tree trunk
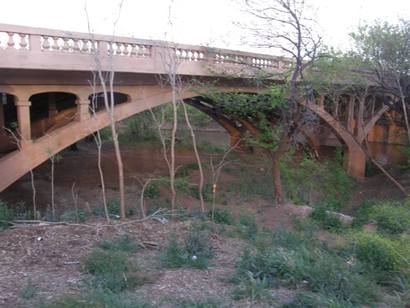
276	157
53	209
173	138
403	103
198	159
109	106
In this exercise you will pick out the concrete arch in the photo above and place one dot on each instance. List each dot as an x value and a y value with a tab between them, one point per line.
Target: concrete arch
33	154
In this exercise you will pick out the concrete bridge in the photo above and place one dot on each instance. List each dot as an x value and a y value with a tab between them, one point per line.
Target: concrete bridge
46	86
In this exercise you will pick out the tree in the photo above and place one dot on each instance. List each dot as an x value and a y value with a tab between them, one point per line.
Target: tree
284	27
386	49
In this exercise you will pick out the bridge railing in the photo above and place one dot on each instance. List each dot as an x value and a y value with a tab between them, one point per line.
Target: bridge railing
27	39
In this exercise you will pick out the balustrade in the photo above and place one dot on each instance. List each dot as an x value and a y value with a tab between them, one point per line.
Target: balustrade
53	41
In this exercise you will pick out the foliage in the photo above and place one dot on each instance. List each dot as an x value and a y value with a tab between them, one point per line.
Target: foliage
301	262
326	219
98	299
308	181
205	303
76	215
140	128
6	215
247	226
111	270
29	290
123	243
313	300
381	253
391	217
221	216
385	46
194	253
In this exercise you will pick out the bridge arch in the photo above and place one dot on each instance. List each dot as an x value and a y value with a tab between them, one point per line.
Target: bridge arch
50	110
8	122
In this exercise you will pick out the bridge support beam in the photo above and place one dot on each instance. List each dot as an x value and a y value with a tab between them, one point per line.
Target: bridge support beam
355	163
23	120
83	110
1	115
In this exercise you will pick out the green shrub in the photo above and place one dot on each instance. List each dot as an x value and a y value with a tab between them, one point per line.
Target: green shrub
29	290
248	228
379	252
250	287
6	215
392	218
221	216
123	243
204	303
326	219
309	181
305	263
314	300
97	299
111	270
195	253
74	216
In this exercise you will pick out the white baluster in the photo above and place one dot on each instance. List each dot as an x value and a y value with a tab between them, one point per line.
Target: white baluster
10	43
76	46
55	43
134	50
23	41
46	44
65	44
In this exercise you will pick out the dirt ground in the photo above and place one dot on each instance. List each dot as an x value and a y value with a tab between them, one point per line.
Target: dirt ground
49	256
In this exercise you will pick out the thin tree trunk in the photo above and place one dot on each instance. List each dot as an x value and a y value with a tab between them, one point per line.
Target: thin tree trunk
198	159
109	106
53	209
276	157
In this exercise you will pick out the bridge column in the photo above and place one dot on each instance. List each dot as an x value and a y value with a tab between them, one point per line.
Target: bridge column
23	120
1	114
355	163
83	110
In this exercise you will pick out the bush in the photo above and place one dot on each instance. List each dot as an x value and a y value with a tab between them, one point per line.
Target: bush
123	243
392	218
97	299
111	270
304	263
313	300
74	216
378	252
309	181
221	216
6	215
248	228
195	253
326	220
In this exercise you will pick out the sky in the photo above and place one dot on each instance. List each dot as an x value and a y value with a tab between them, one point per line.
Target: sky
199	22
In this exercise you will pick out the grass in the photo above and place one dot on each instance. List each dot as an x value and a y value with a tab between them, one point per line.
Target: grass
221	216
29	290
6	215
295	261
123	243
98	299
195	252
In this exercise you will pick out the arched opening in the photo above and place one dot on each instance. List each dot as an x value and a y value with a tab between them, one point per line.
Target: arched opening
97	102
8	123
51	110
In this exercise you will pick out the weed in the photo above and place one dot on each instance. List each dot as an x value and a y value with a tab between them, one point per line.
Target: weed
195	253
326	219
29	290
221	216
298	262
98	299
123	243
247	226
74	216
250	287
204	303
6	215
380	253
313	300
392	218
110	269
